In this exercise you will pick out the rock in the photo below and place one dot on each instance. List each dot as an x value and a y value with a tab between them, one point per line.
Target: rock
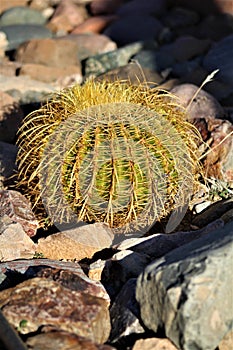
25	90
9	68
203	105
202	7
19	33
134	28
90	44
66	16
133	72
188	292
18	209
49	52
46	303
78	243
3	44
180	17
21	15
8	154
215	27
153	344
150	7
220	57
4	5
98	7
120	268
133	255
186	47
213	212
124	313
61	340
226	342
156	60
102	63
50	74
11	117
14	242
94	24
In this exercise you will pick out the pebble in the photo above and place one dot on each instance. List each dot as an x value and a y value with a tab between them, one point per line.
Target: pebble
150	7
134	28
19	33
21	15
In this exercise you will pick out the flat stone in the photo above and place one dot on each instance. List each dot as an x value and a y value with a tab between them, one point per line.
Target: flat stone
49	52
19	33
191	286
94	24
21	15
78	243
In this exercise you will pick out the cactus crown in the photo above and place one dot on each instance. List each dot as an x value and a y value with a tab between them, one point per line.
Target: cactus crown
111	152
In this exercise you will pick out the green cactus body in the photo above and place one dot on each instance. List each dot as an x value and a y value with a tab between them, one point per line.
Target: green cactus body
109	152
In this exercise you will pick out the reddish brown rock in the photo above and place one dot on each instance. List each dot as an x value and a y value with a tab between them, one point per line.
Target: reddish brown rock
45	303
14	205
63	341
67	16
48	52
94	24
11	116
50	74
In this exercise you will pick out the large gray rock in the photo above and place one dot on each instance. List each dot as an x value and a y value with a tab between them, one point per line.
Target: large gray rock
188	292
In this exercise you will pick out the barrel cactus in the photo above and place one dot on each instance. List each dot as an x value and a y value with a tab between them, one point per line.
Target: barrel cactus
115	152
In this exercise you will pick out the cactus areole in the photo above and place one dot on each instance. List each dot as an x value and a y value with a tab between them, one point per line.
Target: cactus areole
116	152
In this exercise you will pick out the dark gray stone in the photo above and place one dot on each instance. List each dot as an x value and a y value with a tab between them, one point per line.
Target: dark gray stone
124	313
21	15
102	63
180	17
19	33
154	59
188	292
7	159
220	57
134	28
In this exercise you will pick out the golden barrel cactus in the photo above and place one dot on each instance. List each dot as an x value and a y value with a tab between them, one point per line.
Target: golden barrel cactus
115	152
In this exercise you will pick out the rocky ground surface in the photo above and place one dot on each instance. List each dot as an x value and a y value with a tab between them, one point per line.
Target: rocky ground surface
80	288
